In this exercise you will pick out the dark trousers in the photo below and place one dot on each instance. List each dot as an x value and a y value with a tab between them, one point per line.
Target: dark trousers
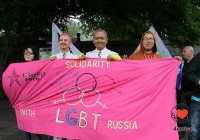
194	120
27	136
184	97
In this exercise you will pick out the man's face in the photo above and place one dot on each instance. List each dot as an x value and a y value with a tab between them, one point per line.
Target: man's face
186	53
65	41
148	42
100	40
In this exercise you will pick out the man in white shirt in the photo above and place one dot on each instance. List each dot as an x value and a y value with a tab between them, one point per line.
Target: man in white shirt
65	41
100	40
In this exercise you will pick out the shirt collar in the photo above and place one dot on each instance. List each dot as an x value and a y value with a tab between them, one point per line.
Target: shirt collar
104	50
66	53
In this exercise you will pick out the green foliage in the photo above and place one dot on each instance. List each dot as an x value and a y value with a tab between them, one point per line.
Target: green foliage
25	22
74	28
48	54
179	24
117	29
177	21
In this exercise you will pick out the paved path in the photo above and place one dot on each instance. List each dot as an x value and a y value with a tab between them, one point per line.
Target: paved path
8	124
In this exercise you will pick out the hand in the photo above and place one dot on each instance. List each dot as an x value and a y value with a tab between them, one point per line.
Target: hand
114	57
52	58
81	56
179	58
199	82
109	57
126	57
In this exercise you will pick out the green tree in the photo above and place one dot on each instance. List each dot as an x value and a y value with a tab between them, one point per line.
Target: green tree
177	20
73	28
26	22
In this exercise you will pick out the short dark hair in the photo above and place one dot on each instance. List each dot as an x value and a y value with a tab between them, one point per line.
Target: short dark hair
26	49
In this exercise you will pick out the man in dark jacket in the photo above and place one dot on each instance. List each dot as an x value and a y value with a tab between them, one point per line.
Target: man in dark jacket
186	88
193	76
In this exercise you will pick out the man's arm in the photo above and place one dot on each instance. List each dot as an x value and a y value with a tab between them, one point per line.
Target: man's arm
192	74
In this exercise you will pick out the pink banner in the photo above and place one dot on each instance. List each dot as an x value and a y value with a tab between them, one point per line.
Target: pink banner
94	98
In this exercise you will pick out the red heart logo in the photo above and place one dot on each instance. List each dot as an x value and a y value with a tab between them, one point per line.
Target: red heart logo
182	113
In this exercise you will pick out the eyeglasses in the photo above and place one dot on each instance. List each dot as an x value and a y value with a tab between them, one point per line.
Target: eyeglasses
26	53
148	39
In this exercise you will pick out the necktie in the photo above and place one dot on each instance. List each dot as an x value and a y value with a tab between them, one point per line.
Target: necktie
64	55
99	55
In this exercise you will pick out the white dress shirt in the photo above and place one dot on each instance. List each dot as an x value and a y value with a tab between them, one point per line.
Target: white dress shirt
104	53
68	55
60	55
